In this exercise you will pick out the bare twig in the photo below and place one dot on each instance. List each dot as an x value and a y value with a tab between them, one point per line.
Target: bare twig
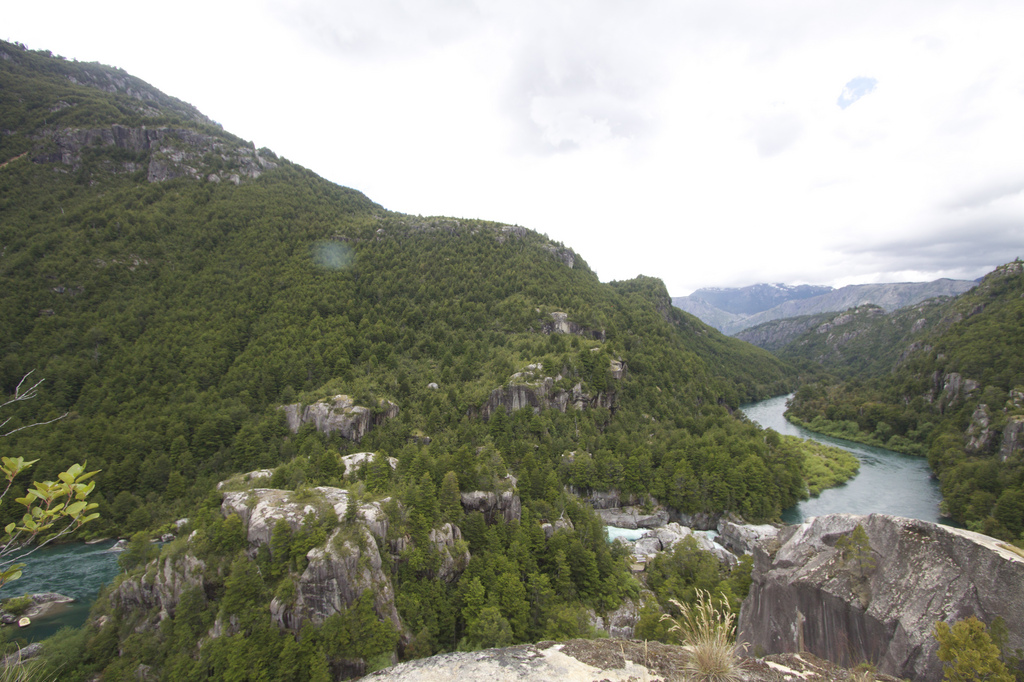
25	394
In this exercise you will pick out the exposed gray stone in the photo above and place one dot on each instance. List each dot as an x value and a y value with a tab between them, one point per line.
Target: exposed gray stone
261	508
452	562
41	604
337	574
168	152
621	623
161	588
561	324
742	538
26	653
490	504
804	597
978	434
241	479
1013	437
339	414
354	461
601	659
633	517
531	388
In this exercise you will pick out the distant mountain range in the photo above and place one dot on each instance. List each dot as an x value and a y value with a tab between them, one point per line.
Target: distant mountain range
733	310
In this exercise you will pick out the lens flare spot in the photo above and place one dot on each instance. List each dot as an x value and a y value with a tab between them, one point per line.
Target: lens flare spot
333	255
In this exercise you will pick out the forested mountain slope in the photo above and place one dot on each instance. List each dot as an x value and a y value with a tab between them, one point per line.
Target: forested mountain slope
200	308
956	394
860	342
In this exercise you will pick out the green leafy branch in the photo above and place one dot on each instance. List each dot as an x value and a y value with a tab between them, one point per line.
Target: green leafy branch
52	509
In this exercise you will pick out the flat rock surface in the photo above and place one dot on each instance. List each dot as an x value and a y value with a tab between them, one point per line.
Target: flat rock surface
581	660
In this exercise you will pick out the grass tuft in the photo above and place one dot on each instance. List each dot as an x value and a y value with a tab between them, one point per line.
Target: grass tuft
706	627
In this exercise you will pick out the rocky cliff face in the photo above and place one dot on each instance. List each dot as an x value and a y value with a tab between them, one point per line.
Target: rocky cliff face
507	504
164	153
1013	437
339	414
561	324
336	575
161	588
531	388
261	508
806	597
350	562
633	517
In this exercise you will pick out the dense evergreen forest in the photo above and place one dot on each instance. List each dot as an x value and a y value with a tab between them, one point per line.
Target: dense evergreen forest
178	289
953	391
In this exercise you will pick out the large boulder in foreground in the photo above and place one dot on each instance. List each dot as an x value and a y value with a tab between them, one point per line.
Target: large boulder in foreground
806	597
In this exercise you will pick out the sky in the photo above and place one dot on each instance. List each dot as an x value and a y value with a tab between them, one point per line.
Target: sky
705	142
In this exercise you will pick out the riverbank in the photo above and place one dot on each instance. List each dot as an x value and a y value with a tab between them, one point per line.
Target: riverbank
824	466
888	482
848	430
74	569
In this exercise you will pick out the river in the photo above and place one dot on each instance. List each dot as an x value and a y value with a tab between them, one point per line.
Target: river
77	570
888	482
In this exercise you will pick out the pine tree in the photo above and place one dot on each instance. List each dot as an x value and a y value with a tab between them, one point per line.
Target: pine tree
856	552
968	652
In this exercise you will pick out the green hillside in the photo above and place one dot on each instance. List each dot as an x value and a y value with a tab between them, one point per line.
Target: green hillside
955	394
861	342
184	295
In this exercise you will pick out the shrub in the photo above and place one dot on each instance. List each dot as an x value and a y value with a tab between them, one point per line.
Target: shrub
17	605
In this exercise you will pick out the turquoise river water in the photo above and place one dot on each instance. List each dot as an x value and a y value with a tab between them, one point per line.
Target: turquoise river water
77	570
888	482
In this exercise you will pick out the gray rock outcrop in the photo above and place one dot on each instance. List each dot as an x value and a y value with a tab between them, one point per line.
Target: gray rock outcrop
806	597
561	324
490	505
239	480
1013	437
665	538
40	604
339	414
621	623
633	517
354	461
335	577
608	499
580	660
164	153
979	435
26	653
161	588
531	388
261	508
954	387
452	561
741	538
